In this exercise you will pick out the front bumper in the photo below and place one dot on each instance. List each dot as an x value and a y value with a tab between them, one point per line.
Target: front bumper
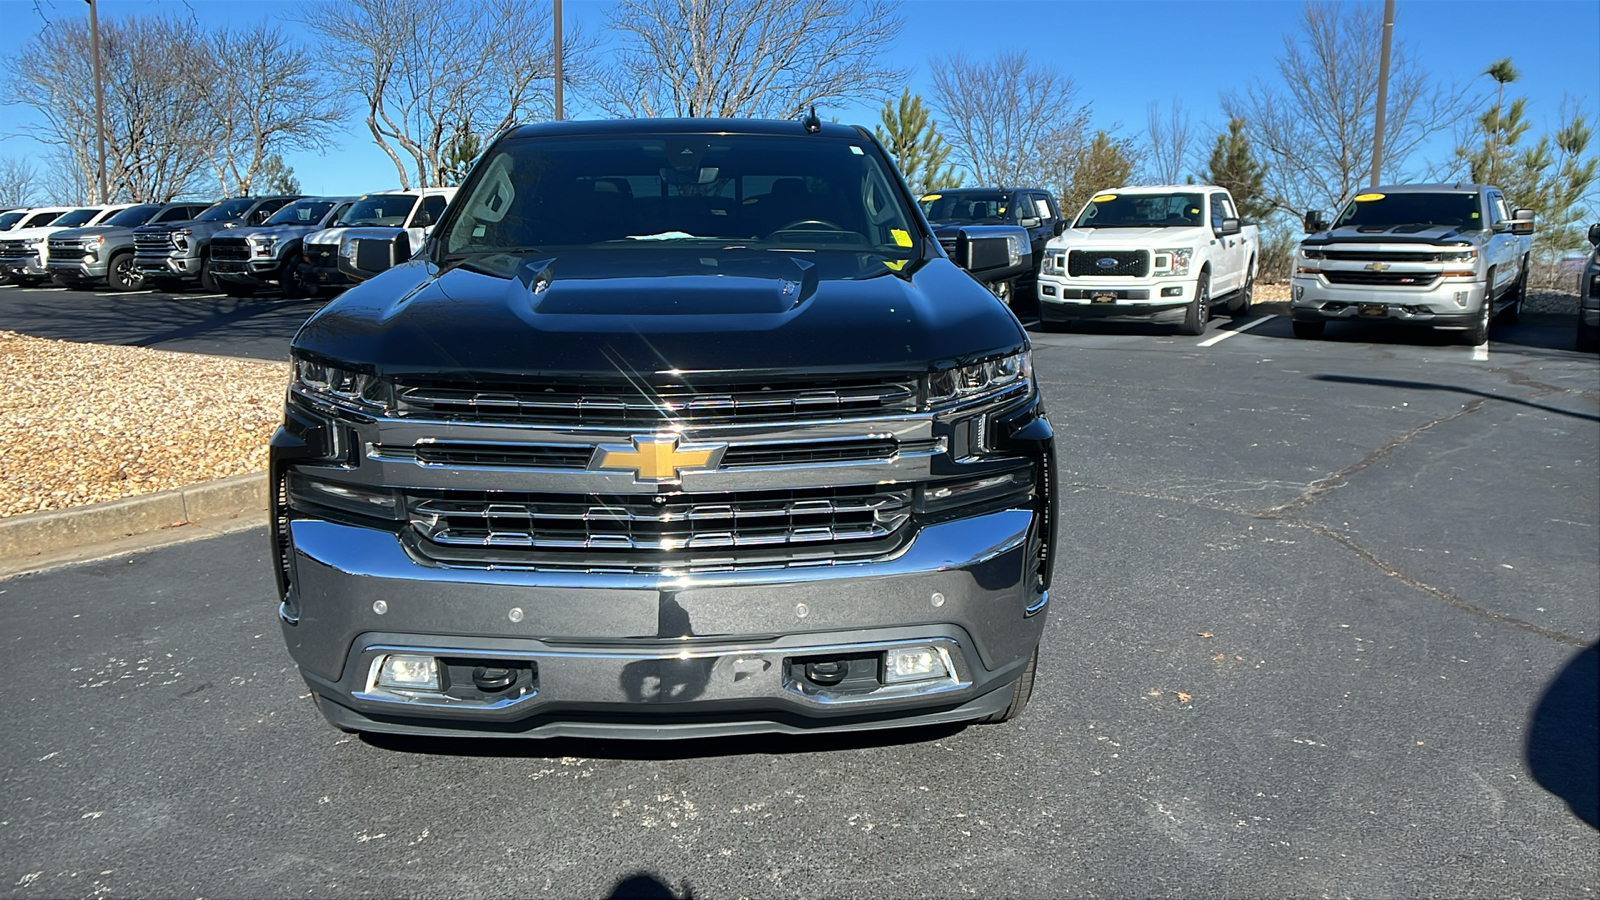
324	276
253	272
168	266
24	265
1447	304
628	655
79	270
1064	299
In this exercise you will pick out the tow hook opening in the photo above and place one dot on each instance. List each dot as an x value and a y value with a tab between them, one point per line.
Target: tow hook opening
850	674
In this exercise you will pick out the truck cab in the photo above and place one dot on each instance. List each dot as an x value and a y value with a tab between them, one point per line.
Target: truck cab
179	253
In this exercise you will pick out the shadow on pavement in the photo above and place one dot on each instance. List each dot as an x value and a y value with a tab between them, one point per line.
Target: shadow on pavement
1455	389
644	886
1564	737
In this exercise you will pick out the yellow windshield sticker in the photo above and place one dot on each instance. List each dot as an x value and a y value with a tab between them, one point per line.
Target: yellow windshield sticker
1365	198
896	264
901	238
927	197
1474	215
1193	211
1103	198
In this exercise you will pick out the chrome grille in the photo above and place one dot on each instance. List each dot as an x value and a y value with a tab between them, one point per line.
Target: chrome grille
231	248
326	255
158	241
1388	256
16	250
660	530
67	251
1126	263
576	456
644	406
1389	279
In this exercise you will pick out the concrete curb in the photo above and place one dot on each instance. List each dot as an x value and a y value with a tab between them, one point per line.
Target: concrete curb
39	535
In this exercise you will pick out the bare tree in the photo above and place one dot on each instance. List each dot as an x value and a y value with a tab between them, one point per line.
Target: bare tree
430	70
1314	123
1169	142
19	182
159	136
742	58
266	95
1008	118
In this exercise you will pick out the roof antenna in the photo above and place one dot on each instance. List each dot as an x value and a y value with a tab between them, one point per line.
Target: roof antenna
811	122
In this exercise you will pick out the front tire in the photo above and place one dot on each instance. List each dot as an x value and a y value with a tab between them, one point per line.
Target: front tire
1479	332
1242	300
121	274
1197	313
1513	312
1021	690
208	281
1588	339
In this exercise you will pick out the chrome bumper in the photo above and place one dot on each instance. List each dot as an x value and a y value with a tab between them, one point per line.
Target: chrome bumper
621	655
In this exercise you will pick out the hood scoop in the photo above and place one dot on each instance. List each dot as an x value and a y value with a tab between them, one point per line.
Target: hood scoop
705	286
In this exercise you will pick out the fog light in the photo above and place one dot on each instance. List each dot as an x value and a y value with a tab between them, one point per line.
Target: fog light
1172	291
1461	298
913	664
417	673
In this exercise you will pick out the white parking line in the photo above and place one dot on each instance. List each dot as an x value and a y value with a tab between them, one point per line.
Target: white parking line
124	293
1480	353
1231	332
203	296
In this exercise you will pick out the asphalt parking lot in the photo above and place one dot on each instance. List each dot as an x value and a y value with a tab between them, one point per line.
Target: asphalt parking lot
1325	624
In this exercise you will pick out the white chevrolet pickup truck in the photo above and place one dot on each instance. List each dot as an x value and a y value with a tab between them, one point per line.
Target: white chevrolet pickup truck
1165	253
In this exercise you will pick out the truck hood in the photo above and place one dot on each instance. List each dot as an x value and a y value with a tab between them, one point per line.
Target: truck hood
92	230
1129	237
25	234
636	313
1398	234
282	232
193	225
326	235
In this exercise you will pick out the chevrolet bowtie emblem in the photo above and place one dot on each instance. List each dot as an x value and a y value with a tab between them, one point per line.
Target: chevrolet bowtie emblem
657	458
1377	267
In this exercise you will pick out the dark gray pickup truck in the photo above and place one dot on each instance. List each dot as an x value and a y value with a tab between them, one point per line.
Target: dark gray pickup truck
672	429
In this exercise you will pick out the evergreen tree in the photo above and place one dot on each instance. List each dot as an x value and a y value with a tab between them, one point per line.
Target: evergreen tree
1233	165
459	155
1106	163
914	142
277	178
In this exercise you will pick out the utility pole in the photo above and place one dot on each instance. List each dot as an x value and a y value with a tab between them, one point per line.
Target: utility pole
99	98
559	112
1383	90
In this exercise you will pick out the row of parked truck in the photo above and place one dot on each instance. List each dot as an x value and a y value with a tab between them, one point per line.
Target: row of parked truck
238	246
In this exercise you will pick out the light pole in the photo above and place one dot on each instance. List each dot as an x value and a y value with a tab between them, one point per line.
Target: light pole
99	98
1383	90
559	112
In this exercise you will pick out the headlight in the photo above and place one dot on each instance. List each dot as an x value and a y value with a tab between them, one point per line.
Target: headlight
1018	246
32	242
1054	262
344	387
979	381
1310	253
1171	260
1467	256
183	232
93	243
263	246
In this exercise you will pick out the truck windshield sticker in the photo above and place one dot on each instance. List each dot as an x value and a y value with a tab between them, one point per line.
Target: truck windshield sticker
1367	198
856	150
927	197
901	237
1102	198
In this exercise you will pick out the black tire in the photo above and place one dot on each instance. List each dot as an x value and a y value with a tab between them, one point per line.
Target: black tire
1588	339
1512	314
1021	690
292	282
1239	305
1198	312
27	281
1309	330
1479	332
208	281
121	275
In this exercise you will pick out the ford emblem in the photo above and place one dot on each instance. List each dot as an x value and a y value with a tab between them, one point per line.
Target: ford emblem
1106	262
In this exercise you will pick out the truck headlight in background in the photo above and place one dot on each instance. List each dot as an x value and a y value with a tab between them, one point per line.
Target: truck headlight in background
979	381
1018	248
263	246
1171	260
1054	263
1468	255
1303	266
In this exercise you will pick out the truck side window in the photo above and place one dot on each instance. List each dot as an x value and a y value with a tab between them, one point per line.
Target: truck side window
432	208
1497	209
1219	210
1041	208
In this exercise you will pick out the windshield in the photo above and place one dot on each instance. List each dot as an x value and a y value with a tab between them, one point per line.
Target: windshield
134	215
302	212
800	193
11	218
36	220
1141	211
388	210
75	218
227	210
1384	211
970	209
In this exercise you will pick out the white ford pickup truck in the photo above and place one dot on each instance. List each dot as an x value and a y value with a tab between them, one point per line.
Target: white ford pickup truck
1164	253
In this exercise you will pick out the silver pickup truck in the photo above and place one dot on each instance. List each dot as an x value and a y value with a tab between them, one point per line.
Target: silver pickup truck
1445	256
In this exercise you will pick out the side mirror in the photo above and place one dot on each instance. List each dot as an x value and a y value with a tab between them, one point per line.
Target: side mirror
1228	226
1315	220
371	256
1594	234
1029	222
1521	221
1061	225
423	220
992	253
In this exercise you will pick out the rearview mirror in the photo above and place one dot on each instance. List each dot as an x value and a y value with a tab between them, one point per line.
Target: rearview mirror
1029	222
1228	226
1315	220
1521	221
369	256
992	253
1061	225
1594	234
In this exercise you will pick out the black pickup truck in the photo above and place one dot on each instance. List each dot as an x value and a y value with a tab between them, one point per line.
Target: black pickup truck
1034	210
673	428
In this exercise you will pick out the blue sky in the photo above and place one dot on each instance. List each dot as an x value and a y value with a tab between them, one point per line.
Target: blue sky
1122	55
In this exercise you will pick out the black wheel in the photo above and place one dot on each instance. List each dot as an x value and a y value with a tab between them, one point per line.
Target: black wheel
1239	305
1198	312
1519	292
121	274
1309	330
1479	332
1021	690
208	281
1588	340
293	283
